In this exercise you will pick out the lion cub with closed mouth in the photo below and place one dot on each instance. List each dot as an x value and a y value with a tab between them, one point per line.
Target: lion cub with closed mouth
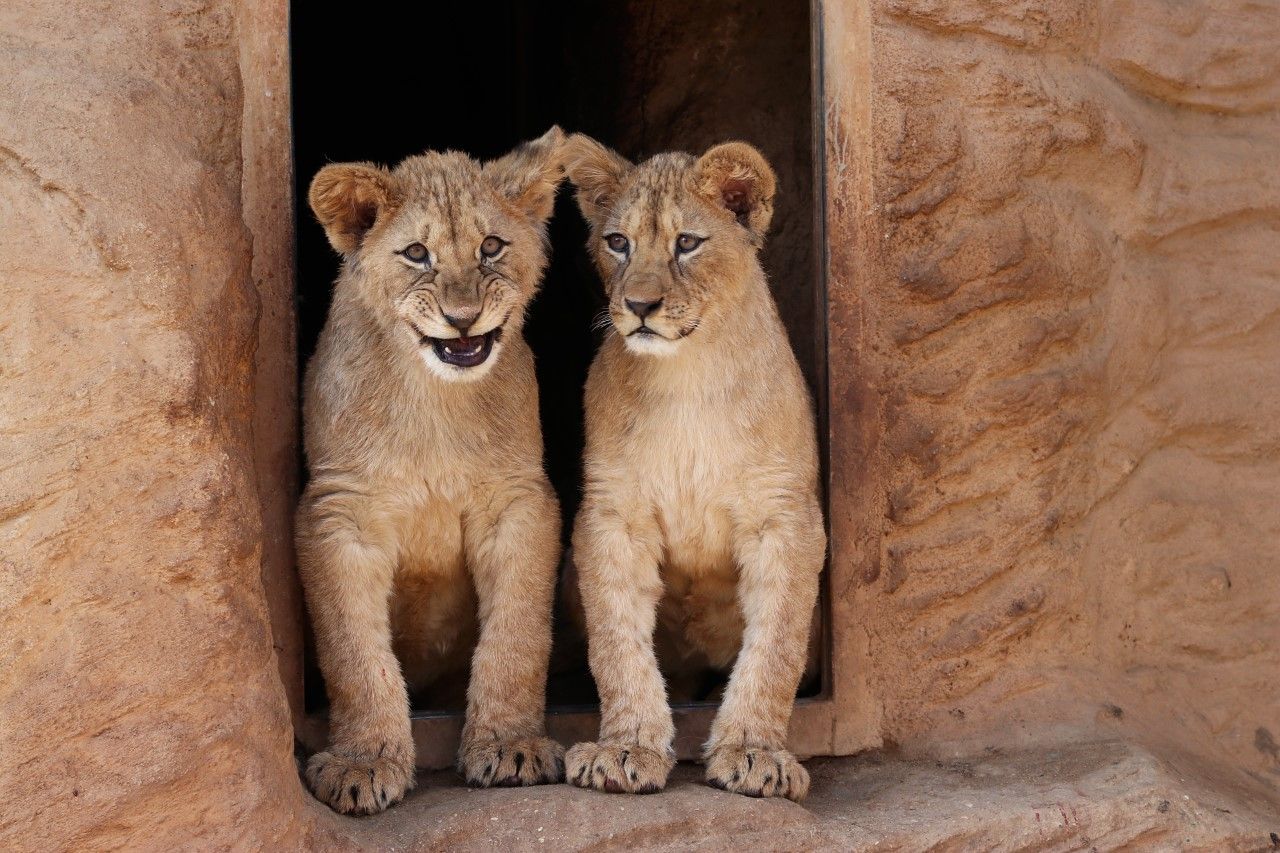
700	538
428	526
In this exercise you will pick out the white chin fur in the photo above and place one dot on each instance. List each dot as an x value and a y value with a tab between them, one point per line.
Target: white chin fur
650	345
453	373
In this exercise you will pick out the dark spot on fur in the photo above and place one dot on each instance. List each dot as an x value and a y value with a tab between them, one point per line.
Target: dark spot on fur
717	782
648	788
519	761
355	791
613	786
768	777
750	761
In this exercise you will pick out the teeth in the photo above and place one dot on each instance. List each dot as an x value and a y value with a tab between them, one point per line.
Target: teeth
456	348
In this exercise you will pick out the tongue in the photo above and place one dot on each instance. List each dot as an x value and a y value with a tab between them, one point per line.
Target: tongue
466	343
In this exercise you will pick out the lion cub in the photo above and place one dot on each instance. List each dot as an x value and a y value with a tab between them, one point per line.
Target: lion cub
428	519
700	517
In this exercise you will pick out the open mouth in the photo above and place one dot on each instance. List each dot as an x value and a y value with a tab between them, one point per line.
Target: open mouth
464	352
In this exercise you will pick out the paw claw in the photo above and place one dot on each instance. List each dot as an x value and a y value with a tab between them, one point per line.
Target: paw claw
617	769
757	772
511	763
352	784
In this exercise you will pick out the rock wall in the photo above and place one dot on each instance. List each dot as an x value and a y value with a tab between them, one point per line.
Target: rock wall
140	705
1063	262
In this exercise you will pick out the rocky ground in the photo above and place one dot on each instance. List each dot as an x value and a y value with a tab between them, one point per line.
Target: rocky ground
1099	796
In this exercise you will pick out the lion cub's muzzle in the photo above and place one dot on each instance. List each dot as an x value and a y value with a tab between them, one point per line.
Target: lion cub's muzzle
651	326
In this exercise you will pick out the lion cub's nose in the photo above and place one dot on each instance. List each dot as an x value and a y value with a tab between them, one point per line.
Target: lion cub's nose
461	322
643	309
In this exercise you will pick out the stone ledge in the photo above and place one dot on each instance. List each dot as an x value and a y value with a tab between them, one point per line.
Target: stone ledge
1098	795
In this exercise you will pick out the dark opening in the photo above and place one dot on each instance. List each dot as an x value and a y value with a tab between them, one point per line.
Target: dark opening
642	77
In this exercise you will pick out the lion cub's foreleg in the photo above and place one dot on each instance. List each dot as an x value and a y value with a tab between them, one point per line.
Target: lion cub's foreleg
779	558
512	550
347	571
617	560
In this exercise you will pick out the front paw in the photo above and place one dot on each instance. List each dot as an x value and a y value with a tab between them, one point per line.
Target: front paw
618	768
757	772
358	786
511	763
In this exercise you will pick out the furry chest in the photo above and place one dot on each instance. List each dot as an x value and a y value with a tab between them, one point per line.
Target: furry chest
697	538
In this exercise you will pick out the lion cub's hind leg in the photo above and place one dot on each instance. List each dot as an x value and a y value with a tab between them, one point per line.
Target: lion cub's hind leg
433	615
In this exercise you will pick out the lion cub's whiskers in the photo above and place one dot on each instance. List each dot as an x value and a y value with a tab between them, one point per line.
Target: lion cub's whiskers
602	320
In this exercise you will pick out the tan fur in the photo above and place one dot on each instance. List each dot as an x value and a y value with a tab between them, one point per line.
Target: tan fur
428	526
700	537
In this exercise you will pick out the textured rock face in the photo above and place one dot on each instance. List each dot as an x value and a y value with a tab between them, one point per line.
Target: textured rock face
140	705
1067	273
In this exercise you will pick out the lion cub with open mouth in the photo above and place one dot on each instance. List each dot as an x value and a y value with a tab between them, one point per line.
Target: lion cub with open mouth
428	519
700	516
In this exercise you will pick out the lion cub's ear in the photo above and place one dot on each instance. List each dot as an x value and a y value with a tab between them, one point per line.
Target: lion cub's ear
348	198
736	176
597	172
529	175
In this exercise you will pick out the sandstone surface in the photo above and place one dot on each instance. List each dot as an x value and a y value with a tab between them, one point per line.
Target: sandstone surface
140	703
1061	297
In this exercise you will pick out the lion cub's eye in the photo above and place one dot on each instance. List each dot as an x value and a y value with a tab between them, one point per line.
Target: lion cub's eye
492	246
416	252
618	243
686	243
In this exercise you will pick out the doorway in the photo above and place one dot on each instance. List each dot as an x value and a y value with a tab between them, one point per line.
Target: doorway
643	77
